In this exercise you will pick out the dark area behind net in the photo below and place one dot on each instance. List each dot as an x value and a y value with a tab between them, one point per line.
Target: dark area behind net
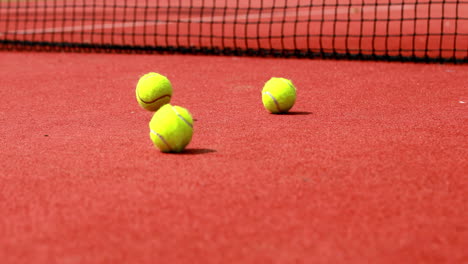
416	30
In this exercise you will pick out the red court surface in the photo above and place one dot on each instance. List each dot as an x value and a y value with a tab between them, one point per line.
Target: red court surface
370	166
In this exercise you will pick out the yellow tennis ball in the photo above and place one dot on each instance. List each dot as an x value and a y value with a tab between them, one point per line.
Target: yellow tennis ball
278	95
153	91
171	128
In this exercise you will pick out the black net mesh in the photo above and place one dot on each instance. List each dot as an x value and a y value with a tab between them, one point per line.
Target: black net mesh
426	30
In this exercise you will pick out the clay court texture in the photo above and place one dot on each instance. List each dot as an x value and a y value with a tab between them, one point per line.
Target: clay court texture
369	166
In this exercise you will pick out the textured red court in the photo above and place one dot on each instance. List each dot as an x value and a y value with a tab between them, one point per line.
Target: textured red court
369	167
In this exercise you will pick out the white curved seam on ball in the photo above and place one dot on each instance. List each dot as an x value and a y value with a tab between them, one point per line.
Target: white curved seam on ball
181	117
150	75
155	100
274	100
146	77
162	139
288	83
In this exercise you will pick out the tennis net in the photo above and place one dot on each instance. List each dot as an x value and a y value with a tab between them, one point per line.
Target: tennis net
415	30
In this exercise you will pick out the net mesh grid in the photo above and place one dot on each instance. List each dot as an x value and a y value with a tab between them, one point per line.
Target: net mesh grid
415	30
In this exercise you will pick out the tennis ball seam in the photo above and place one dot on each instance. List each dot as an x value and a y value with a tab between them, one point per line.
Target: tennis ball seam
181	117
151	75
162	139
274	100
288	83
153	101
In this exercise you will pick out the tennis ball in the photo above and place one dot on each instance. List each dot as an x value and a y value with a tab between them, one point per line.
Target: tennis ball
153	91
171	128
278	95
